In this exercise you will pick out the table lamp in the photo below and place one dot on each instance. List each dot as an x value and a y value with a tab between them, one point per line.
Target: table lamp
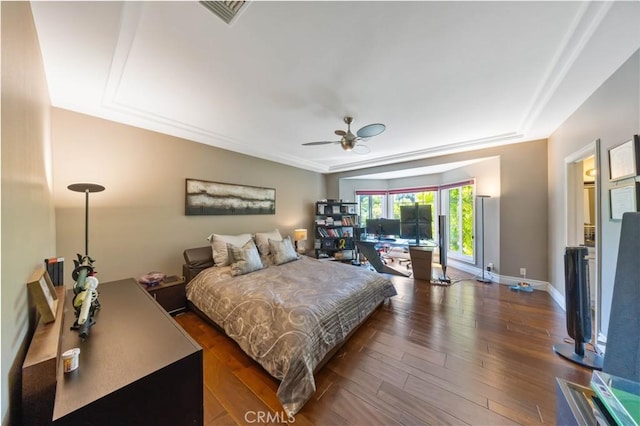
300	238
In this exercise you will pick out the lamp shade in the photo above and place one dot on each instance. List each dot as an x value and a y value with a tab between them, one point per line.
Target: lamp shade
299	234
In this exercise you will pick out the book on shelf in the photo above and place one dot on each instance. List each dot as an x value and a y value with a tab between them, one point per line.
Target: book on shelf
324	232
335	210
344	232
55	269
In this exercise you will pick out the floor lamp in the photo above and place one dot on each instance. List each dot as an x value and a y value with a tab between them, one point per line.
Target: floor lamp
86	188
483	279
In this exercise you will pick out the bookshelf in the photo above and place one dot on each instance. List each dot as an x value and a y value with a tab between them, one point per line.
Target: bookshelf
336	225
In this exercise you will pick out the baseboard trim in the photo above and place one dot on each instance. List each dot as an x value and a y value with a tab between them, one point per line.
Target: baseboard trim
509	280
557	296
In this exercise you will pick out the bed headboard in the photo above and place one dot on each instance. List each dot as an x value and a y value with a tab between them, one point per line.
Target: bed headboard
196	260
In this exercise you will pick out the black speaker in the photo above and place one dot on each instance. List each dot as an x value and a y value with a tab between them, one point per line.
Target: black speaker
622	356
578	308
442	246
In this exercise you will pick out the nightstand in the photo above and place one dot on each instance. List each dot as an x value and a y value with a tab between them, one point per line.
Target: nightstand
170	295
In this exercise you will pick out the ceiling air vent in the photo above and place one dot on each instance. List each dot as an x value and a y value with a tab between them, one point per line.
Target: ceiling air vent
226	10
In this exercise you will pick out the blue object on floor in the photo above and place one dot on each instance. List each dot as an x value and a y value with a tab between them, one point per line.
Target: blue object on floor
527	288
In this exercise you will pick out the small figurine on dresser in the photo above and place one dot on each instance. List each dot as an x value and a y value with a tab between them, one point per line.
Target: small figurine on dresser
85	301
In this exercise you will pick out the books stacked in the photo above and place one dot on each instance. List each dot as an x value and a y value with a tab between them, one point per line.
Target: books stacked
335	232
55	269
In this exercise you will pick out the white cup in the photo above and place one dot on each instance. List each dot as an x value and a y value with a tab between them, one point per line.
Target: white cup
70	359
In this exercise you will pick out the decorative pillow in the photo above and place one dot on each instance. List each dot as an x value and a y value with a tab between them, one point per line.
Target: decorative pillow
219	246
262	240
246	259
282	251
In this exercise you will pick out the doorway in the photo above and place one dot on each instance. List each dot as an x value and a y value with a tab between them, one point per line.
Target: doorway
583	206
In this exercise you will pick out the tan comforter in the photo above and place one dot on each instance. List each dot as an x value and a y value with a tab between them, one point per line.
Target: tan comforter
288	317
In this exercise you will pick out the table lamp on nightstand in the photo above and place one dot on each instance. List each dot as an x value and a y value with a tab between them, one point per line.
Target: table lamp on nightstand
300	238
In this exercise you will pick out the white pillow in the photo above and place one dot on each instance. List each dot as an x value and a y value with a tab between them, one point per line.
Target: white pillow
246	259
219	246
262	240
282	251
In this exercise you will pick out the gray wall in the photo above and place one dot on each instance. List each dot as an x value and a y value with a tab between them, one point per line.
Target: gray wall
137	224
611	114
28	230
519	202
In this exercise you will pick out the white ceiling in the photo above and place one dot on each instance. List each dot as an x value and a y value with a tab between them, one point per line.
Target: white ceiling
443	76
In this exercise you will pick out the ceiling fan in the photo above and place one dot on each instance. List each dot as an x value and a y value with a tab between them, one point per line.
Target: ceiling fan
349	141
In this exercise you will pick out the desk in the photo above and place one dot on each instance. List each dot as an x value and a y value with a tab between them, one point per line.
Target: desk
402	242
421	255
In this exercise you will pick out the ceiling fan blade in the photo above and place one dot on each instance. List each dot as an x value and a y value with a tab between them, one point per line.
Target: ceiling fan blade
340	133
361	149
371	130
319	143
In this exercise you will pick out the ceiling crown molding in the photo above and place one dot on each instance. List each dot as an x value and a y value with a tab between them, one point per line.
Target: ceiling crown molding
584	26
486	142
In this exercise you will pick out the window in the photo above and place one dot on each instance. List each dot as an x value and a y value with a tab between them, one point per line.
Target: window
375	204
371	205
461	219
410	197
456	200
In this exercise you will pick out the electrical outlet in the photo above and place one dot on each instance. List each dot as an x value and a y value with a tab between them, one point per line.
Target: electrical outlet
523	271
490	267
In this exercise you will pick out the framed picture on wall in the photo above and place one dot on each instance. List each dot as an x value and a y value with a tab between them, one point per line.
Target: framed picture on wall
623	159
216	198
623	199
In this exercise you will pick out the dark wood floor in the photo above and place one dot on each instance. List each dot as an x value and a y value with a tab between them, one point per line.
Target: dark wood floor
471	353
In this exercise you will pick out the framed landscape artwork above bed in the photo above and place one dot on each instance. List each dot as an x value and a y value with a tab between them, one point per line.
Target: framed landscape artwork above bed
215	198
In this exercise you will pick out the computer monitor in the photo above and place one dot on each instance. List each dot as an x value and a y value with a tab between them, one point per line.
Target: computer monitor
421	212
408	231
416	222
383	227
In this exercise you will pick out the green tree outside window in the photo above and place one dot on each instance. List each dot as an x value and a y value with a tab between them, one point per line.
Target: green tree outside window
461	217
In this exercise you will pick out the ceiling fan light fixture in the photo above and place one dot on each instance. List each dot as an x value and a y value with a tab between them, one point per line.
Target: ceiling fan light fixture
347	144
350	142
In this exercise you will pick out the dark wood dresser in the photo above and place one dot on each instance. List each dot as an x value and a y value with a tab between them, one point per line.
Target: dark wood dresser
137	366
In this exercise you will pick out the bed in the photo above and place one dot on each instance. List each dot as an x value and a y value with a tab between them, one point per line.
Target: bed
290	318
